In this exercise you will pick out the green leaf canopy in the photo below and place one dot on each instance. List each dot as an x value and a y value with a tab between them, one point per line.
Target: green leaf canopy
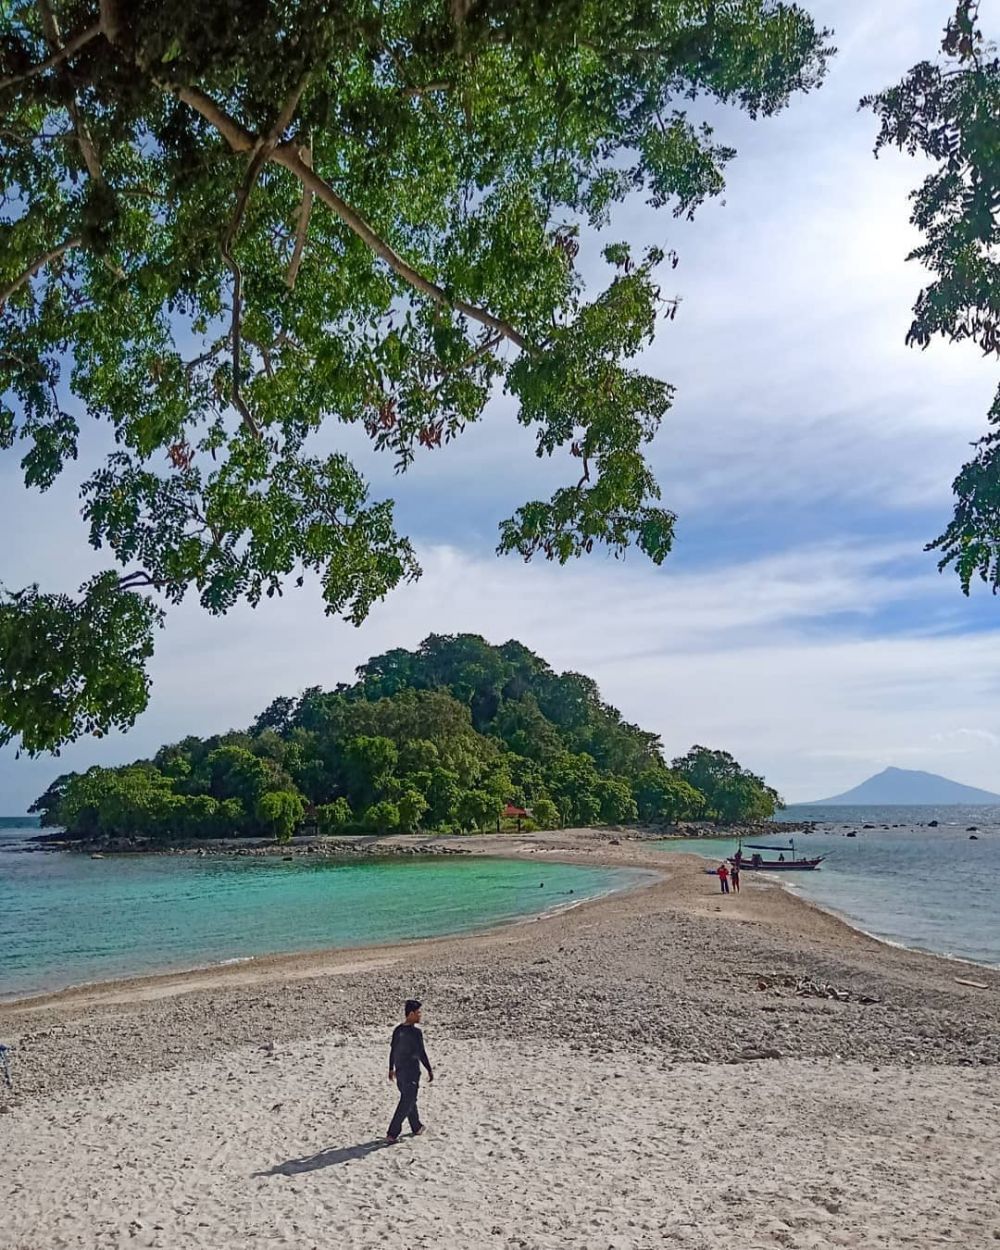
227	225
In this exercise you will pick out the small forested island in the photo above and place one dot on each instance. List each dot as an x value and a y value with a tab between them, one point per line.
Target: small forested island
445	738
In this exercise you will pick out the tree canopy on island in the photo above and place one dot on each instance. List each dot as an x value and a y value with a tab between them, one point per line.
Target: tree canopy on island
229	226
441	738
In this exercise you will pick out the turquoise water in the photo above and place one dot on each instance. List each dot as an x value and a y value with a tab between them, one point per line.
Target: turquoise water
930	888
67	919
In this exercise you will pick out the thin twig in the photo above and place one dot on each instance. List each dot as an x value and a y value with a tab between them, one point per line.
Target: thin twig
7	291
191	365
482	350
62	54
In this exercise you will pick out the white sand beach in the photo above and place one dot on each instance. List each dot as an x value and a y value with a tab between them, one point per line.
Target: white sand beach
527	1146
599	1085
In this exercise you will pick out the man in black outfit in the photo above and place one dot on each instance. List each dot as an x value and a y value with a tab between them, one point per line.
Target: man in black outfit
406	1054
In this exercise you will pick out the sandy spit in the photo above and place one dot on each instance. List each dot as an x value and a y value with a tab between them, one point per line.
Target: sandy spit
604	1081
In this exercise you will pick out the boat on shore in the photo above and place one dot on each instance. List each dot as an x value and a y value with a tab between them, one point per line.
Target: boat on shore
787	860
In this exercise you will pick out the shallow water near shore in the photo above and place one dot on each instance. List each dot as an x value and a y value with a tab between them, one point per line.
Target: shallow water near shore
933	889
66	919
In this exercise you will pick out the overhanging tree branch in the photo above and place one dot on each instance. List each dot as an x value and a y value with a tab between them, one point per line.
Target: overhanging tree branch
262	154
90	158
71	48
301	226
7	291
288	155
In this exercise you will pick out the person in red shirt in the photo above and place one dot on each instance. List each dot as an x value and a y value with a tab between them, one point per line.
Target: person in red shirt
723	874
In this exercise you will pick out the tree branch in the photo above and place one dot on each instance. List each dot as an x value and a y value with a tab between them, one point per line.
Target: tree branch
288	156
7	291
427	89
111	20
50	25
238	138
225	247
191	365
301	226
62	54
262	153
135	581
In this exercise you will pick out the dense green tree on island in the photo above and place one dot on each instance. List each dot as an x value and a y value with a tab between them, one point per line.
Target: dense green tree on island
400	751
230	225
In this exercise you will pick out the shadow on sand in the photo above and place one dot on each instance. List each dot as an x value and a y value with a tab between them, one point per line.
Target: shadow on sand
326	1158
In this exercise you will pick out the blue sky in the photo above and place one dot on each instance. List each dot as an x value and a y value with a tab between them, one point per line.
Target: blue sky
809	455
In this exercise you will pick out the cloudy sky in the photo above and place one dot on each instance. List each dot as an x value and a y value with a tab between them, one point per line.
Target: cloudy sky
809	455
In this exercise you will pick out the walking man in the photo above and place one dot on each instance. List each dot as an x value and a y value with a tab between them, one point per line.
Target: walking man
406	1054
722	872
734	876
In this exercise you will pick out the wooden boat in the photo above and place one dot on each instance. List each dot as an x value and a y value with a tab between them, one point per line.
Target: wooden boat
787	860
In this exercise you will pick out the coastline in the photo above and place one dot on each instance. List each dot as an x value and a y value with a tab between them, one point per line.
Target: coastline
612	849
294	962
634	1044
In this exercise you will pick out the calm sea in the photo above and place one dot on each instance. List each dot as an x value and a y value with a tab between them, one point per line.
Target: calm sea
67	919
934	889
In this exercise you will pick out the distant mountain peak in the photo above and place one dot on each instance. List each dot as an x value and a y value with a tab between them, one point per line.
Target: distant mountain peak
905	787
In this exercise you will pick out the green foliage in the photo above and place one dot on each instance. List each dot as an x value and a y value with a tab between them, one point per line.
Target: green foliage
368	765
382	817
546	814
228	225
665	796
731	793
333	817
412	807
478	809
949	113
397	753
73	666
280	813
618	807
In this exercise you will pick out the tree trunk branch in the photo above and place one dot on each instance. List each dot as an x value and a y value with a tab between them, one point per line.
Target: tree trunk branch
90	158
71	48
301	226
111	20
7	291
288	156
427	89
238	138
